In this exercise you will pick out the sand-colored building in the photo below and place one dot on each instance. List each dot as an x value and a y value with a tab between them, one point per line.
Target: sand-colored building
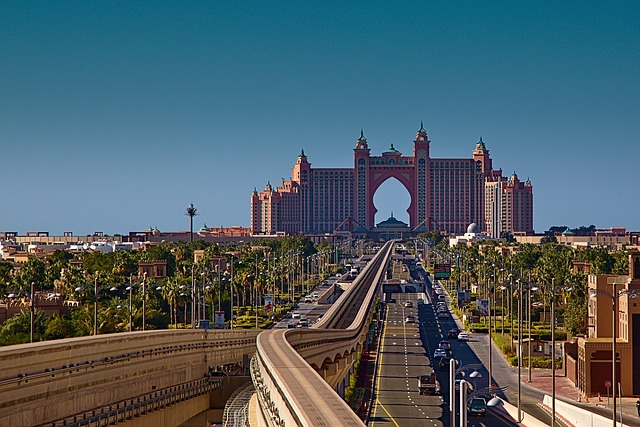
593	368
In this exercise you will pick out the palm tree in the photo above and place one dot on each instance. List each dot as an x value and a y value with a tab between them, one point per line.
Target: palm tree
191	211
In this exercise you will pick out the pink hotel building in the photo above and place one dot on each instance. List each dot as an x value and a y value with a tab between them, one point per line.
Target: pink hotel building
446	194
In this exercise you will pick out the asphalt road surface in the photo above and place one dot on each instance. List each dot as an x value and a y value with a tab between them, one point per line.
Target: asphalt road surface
406	349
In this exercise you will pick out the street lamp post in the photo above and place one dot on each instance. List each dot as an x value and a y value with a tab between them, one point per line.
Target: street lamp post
96	290
144	300
32	309
535	288
614	300
452	389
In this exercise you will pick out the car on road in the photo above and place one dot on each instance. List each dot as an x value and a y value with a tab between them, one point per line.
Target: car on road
410	319
443	315
477	406
308	299
292	325
443	365
420	301
441	297
463	336
445	344
408	304
304	322
392	301
295	315
453	333
440	352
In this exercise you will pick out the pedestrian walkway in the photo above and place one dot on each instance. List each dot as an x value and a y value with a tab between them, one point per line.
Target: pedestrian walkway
542	379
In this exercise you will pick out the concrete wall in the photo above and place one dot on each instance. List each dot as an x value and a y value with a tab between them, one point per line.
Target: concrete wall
578	416
46	381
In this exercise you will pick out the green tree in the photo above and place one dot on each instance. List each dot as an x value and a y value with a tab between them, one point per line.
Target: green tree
33	271
191	211
59	327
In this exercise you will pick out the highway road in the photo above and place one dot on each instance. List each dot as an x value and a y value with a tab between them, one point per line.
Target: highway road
402	359
406	349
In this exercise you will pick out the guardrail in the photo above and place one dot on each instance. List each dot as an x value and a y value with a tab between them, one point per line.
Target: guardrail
129	409
289	390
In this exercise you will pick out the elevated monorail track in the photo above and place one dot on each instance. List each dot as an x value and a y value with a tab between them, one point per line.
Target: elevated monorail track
295	371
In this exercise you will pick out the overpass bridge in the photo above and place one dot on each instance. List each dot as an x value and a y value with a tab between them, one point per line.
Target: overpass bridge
172	377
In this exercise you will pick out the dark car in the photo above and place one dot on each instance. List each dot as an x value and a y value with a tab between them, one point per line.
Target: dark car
477	405
392	301
443	365
453	333
445	345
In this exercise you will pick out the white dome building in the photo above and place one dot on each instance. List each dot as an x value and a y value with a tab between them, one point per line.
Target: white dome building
472	235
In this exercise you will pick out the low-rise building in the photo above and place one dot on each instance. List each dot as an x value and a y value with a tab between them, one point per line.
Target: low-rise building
611	303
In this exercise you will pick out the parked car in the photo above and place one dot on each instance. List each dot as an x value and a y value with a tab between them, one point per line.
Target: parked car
477	406
463	336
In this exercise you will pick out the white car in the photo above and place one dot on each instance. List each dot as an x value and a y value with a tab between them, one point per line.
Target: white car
408	304
410	319
440	352
295	315
463	336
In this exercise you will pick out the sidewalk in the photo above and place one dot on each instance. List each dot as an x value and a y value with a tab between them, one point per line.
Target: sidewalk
541	379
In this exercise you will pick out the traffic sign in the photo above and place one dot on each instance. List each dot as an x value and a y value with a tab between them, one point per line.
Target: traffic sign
607	384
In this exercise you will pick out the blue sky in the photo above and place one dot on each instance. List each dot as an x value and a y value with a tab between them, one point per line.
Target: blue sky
115	115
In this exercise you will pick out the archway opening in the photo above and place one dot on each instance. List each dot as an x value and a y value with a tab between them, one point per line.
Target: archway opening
390	197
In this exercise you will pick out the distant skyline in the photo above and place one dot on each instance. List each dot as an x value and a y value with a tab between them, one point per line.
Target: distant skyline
115	116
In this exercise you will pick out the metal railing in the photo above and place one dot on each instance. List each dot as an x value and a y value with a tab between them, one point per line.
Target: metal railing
140	405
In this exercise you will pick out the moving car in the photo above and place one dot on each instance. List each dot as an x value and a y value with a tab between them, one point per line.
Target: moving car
463	336
304	322
408	304
410	319
428	384
440	352
392	301
443	365
453	333
477	405
443	315
295	315
446	345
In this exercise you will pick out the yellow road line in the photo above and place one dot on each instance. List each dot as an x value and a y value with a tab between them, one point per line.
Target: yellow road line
375	410
385	410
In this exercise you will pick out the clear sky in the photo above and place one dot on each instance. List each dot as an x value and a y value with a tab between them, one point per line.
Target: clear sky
115	115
